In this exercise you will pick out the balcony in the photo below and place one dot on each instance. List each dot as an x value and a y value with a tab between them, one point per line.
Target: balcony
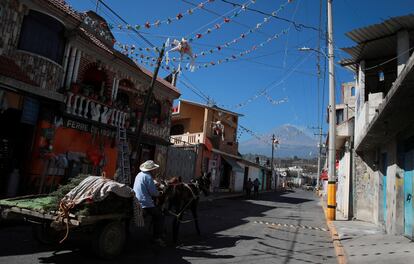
187	139
88	108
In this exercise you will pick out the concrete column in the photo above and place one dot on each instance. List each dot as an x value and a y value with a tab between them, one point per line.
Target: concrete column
113	89
116	88
65	63
70	68
403	44
361	86
76	68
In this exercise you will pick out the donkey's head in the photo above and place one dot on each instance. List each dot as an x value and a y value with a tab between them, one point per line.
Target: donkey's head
203	183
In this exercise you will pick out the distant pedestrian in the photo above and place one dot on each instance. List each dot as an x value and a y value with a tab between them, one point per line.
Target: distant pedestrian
248	188
256	185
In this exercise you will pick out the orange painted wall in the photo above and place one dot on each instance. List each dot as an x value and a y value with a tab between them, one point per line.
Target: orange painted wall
68	139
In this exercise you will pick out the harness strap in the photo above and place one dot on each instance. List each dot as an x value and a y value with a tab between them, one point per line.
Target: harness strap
191	190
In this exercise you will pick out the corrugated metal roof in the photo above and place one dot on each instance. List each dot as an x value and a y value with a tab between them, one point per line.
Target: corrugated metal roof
386	28
378	40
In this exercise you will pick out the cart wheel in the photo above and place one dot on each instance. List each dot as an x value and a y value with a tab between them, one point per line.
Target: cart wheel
45	234
109	239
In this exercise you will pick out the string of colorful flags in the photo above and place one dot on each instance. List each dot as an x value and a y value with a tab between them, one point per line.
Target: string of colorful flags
131	51
226	20
273	101
271	86
166	21
242	36
255	135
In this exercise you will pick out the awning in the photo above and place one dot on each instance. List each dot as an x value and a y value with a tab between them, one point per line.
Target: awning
235	166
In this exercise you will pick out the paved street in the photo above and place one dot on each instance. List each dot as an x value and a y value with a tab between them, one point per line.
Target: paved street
287	228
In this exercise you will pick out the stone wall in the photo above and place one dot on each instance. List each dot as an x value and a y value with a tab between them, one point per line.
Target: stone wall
366	189
11	17
44	72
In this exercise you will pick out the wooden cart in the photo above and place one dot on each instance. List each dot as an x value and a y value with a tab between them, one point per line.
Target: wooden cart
107	232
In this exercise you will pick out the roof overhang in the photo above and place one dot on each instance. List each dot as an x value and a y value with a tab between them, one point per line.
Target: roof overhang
376	41
214	107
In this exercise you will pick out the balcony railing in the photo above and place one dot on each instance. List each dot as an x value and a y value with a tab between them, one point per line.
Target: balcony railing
82	106
187	139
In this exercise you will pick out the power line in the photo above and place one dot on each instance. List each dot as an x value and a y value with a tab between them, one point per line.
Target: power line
124	21
219	15
298	26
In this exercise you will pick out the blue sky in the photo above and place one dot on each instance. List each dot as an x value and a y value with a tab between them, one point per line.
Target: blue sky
292	73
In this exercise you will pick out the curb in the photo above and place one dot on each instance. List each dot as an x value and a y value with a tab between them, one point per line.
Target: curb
339	249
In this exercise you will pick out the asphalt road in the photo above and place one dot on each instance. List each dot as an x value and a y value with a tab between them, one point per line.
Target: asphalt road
276	228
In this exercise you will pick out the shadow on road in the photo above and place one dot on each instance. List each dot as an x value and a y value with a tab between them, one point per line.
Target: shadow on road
214	217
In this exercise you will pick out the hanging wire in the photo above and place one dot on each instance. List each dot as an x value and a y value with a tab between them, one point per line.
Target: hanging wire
298	26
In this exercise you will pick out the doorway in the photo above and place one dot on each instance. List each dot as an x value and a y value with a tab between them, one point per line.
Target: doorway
15	150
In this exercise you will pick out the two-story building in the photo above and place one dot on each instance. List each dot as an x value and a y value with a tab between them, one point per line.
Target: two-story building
214	131
345	112
383	62
64	93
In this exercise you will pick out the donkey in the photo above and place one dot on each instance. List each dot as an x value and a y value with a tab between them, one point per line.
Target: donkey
185	196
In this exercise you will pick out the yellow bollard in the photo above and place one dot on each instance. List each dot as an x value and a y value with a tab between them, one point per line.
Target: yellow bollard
331	207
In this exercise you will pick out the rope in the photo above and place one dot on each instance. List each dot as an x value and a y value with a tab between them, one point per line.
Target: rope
63	213
186	206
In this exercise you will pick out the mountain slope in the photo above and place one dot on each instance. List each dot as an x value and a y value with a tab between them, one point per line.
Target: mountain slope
292	142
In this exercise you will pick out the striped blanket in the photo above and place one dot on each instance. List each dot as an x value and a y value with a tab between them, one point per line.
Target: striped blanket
96	189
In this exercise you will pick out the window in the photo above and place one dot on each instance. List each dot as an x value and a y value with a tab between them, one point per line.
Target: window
352	91
43	35
381	76
177	129
339	116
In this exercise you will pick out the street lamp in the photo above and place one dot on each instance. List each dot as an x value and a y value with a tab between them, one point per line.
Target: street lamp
319	127
331	206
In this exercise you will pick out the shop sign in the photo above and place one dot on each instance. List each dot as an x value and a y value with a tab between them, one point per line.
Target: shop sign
30	111
75	124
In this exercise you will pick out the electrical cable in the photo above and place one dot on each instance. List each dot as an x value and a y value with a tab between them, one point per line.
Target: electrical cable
124	21
298	26
219	15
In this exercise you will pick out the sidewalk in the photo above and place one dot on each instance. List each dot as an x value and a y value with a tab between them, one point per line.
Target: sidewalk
367	243
364	242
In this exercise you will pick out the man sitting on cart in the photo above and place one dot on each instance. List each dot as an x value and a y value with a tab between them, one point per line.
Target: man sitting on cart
145	189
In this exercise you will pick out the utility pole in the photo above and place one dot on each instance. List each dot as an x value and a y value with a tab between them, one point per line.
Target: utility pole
319	134
331	210
148	97
271	163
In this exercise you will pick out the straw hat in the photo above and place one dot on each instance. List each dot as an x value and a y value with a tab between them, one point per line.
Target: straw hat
149	165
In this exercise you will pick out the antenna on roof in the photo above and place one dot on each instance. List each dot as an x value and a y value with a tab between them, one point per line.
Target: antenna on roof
97	6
